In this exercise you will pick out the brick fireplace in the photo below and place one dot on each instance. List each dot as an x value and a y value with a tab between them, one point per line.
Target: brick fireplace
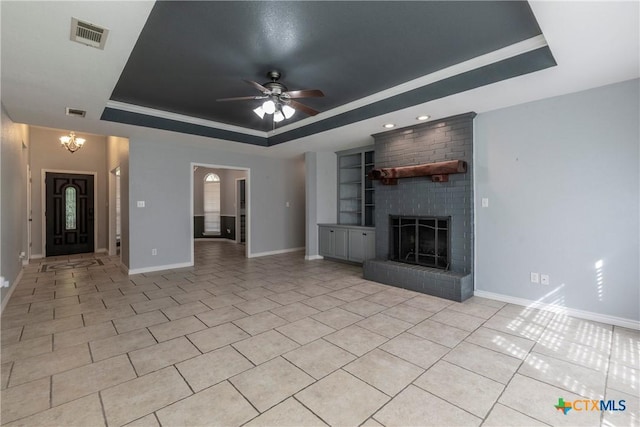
422	198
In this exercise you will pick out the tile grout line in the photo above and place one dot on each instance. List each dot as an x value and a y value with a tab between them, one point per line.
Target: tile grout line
228	380
606	379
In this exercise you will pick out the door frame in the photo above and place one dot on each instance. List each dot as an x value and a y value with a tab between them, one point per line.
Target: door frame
247	248
112	243
27	257
43	174
237	194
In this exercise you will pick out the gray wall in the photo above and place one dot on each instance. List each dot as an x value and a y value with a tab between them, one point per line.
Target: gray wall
562	179
13	198
321	171
46	153
160	174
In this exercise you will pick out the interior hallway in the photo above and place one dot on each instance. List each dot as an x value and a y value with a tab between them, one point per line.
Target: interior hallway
282	341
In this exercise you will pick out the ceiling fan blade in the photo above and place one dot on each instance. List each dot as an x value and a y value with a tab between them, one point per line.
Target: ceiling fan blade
258	86
239	98
311	93
298	106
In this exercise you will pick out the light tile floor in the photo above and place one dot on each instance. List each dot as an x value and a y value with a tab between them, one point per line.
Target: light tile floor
283	341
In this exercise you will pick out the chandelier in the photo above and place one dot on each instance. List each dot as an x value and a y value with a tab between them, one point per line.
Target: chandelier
71	143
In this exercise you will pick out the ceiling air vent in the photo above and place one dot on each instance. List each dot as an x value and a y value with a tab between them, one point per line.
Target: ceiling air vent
88	34
75	112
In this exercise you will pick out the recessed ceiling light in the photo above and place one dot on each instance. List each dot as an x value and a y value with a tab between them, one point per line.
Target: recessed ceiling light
423	117
389	126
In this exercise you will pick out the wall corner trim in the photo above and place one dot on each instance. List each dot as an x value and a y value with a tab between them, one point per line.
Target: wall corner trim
581	314
12	288
159	268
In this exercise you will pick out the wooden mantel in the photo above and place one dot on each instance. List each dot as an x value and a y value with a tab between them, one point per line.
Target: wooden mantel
439	172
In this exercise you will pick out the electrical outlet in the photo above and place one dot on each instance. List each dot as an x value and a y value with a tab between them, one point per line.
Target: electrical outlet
544	279
140	203
485	202
535	278
154	251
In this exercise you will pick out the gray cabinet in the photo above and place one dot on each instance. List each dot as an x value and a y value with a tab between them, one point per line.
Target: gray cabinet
362	245
334	242
347	243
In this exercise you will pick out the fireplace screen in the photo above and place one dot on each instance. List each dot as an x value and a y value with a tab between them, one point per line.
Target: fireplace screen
420	240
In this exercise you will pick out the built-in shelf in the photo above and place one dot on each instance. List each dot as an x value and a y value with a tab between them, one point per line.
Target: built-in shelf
355	189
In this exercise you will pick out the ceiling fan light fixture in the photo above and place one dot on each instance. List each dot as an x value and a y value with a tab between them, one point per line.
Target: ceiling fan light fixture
278	116
288	111
259	112
269	107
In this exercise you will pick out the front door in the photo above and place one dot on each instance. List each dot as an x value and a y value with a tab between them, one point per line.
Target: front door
69	213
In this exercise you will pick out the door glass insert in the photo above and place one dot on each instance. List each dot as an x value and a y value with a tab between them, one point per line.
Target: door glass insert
70	208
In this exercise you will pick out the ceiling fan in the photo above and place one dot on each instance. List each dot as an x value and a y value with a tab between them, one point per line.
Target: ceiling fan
279	101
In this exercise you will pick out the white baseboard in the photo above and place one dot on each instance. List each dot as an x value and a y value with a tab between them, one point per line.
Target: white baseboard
37	256
160	268
217	239
280	251
574	312
102	250
313	257
12	288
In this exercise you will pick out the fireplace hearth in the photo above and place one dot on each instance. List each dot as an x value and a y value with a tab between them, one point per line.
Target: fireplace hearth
420	240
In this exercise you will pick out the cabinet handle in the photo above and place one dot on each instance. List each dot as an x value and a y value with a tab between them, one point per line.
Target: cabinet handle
364	234
331	231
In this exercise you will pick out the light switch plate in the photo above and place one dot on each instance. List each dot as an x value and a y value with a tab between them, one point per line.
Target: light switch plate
485	202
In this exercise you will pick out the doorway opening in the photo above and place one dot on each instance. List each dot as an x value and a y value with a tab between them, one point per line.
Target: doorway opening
115	212
219	204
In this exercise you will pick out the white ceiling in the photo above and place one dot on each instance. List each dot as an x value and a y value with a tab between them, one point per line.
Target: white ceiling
594	44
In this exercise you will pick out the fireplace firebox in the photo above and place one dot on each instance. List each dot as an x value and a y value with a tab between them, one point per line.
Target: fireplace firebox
420	240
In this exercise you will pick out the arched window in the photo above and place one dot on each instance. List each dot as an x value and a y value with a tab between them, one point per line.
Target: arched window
211	204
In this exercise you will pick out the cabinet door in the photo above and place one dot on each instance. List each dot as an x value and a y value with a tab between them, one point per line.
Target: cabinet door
356	245
341	243
327	241
362	245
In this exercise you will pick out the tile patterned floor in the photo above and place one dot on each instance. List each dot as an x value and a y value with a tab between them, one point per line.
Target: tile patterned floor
283	342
